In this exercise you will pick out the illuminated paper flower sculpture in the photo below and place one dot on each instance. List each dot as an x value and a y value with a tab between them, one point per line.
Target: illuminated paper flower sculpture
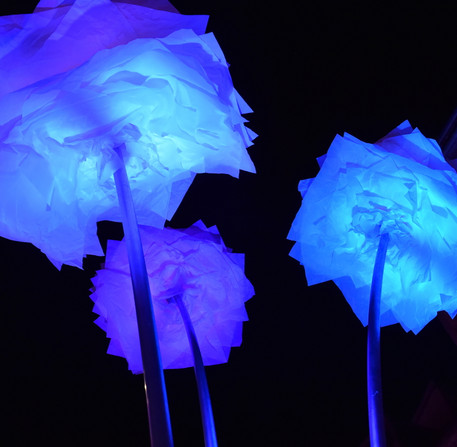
192	263
107	111
82	79
401	186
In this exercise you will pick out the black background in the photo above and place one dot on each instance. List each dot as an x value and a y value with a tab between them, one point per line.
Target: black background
308	72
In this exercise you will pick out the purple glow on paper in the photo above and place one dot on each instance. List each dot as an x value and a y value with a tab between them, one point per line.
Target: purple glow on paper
100	74
193	263
56	39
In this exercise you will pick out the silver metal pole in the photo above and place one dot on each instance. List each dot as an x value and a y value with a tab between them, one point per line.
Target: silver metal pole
154	381
375	408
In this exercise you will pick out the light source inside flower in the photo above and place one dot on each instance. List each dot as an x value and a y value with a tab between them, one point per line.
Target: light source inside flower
402	186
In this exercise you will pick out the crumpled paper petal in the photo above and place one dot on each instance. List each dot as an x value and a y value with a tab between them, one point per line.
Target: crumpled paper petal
401	185
57	37
170	100
192	262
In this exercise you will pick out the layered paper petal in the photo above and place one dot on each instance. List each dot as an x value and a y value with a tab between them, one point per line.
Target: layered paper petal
193	263
170	100
401	185
61	35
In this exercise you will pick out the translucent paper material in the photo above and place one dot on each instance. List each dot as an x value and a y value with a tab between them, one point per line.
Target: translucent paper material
400	185
193	263
100	81
61	35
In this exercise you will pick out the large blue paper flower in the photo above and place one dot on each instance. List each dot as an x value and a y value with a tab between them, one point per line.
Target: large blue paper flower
139	80
401	185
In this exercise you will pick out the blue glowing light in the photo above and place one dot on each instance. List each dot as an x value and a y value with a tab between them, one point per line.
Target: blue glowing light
86	88
192	263
400	185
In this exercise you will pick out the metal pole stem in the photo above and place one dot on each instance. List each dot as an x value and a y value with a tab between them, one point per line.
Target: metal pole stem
206	410
448	138
154	382
375	408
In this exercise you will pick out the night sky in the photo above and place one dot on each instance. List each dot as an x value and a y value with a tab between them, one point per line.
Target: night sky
298	379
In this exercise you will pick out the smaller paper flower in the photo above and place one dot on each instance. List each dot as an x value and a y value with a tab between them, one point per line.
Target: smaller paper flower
193	263
401	185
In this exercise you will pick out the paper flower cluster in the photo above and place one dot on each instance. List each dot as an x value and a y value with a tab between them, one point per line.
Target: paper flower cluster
401	185
193	263
83	78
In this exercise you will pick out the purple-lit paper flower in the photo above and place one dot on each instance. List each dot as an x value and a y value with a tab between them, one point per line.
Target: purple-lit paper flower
400	185
193	263
84	78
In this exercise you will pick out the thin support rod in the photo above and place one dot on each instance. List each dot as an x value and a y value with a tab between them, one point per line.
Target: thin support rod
375	408
154	382
206	410
448	138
